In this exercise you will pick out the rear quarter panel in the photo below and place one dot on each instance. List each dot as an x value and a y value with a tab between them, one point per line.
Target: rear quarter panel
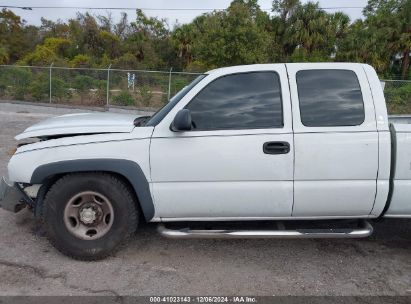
400	205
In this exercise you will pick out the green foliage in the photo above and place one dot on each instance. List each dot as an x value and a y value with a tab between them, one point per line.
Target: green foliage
3	88
123	99
314	32
40	87
196	67
126	61
59	89
178	84
182	40
384	34
110	43
4	56
83	84
58	45
15	82
242	34
101	91
235	36
20	83
398	97
146	95
81	61
41	56
16	37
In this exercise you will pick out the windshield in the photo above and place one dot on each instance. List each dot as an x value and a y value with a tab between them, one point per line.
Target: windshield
160	114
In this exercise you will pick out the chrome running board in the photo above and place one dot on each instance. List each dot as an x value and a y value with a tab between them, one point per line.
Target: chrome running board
364	230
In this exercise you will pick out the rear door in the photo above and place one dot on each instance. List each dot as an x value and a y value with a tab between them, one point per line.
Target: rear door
336	140
237	161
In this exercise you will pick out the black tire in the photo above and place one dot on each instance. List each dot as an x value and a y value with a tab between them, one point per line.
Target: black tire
124	223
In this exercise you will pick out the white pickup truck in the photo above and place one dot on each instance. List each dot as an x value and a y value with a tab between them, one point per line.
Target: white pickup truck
281	142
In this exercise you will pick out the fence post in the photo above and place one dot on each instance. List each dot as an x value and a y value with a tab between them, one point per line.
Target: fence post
108	85
51	66
169	84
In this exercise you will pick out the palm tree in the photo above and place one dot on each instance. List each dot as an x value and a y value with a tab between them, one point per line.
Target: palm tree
183	40
314	32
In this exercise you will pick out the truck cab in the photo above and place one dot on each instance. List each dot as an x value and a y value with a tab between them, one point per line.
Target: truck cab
274	141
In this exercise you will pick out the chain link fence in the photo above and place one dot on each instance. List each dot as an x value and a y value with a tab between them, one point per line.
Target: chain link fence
126	88
398	96
91	86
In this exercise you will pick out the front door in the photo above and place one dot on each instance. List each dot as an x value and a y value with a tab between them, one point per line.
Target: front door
237	161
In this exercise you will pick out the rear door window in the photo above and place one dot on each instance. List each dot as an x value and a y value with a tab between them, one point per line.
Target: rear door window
330	98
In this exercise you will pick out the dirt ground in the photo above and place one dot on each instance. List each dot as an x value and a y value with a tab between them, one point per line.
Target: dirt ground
152	265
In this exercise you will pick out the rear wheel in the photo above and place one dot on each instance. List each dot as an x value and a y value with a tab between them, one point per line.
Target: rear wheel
89	215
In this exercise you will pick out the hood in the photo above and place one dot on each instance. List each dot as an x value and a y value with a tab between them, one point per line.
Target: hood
81	123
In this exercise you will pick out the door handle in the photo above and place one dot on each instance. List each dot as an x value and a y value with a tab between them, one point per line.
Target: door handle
276	147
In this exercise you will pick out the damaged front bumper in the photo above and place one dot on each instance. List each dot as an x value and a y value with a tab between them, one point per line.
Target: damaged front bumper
12	197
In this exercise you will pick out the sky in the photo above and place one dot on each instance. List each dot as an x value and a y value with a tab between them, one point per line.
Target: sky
33	17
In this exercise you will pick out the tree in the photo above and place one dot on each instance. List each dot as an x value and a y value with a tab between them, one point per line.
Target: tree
148	40
360	45
235	36
13	36
106	22
242	34
121	29
285	8
183	39
310	33
57	29
110	43
389	21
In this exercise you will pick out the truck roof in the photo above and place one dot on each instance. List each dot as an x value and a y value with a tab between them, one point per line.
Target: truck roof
267	66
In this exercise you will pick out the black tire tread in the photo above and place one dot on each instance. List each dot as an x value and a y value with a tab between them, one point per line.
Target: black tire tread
133	213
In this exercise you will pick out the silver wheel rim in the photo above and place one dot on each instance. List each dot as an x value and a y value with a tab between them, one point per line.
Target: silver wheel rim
88	215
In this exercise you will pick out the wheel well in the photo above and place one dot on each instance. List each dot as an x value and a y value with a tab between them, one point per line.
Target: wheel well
132	190
51	180
128	169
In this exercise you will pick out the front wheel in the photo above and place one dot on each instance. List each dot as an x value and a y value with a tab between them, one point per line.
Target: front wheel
89	215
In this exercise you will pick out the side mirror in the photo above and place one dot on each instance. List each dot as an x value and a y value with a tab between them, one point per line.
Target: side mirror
182	121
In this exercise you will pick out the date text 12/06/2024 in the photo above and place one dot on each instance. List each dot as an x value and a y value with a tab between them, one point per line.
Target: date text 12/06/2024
201	299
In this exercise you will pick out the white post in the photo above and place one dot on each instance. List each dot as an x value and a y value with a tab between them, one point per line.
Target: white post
169	84
51	66
108	85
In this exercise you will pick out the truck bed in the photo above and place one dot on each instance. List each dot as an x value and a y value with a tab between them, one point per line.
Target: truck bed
400	203
400	119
